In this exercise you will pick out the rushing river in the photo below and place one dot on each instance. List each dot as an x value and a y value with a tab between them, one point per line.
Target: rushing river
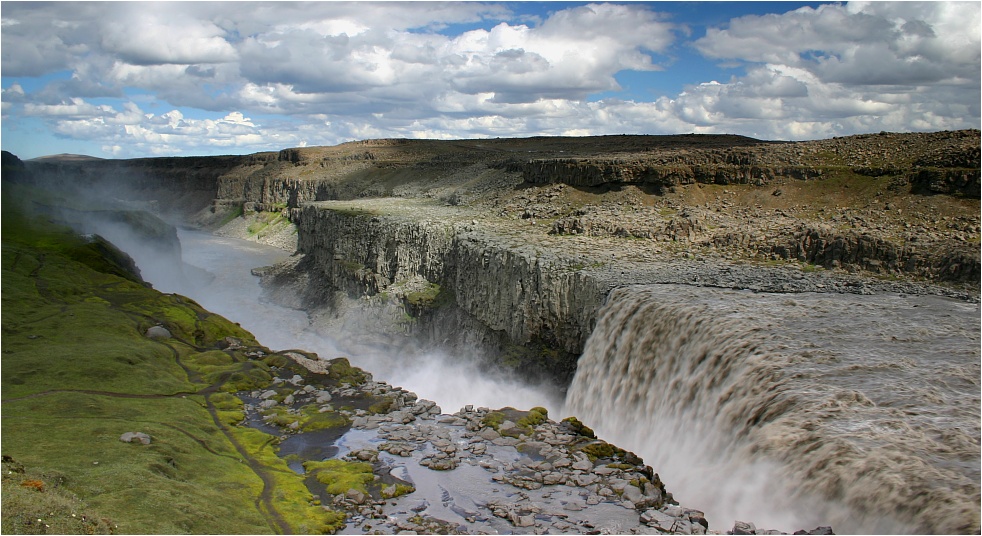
757	407
764	406
232	291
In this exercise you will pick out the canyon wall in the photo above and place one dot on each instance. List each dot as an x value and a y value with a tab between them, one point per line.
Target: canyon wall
462	287
458	268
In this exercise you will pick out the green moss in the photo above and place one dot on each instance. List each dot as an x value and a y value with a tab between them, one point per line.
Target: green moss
339	476
431	296
75	353
351	267
234	212
35	502
493	419
203	360
252	377
601	450
535	417
226	401
276	360
382	406
280	416
340	369
579	428
314	419
397	491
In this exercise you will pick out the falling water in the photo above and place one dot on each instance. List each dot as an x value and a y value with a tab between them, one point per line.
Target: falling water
794	411
791	411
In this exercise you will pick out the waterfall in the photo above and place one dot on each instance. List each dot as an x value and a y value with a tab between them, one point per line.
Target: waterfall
747	427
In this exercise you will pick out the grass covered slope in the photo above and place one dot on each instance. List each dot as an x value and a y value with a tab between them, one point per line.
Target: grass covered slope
78	371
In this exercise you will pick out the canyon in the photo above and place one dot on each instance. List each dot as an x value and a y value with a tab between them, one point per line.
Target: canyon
513	244
511	253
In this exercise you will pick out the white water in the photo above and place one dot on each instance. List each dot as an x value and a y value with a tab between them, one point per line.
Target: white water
794	410
751	407
233	292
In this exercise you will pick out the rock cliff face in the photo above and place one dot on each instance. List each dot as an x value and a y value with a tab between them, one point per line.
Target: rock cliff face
458	284
510	245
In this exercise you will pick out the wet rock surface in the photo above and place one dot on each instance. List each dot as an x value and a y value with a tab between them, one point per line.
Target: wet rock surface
474	471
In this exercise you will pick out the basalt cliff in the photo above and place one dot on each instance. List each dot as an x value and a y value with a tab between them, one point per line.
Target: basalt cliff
510	246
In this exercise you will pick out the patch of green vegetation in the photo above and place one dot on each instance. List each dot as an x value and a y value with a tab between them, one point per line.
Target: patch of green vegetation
314	419
36	502
278	361
78	372
535	417
248	376
280	416
397	491
353	211
493	420
351	267
382	406
524	421
340	476
340	370
579	428
291	498
601	450
431	296
265	220
234	212
189	479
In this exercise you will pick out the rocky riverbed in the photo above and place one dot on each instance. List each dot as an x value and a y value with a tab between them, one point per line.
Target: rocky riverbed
399	464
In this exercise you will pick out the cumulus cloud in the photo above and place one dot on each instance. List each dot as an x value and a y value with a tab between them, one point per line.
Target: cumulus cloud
326	72
855	67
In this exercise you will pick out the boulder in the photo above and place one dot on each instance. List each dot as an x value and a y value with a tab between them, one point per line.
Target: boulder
130	437
356	496
489	434
743	527
158	333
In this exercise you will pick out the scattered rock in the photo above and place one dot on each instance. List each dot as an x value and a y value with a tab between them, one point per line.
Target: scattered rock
130	437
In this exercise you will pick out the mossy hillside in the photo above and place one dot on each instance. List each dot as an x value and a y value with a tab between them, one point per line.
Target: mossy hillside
189	479
78	372
41	504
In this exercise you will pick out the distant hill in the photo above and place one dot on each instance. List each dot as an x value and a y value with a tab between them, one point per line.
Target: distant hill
65	157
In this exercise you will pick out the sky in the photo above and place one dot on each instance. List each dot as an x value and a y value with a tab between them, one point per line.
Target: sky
137	79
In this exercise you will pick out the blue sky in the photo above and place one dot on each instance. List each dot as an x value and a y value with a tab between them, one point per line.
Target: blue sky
133	79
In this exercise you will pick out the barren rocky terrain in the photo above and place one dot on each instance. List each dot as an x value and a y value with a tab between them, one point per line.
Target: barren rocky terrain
893	206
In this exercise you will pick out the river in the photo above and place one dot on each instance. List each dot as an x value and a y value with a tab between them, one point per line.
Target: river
756	407
233	292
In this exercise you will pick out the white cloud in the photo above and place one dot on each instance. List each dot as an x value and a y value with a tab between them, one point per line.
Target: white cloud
852	68
326	72
165	36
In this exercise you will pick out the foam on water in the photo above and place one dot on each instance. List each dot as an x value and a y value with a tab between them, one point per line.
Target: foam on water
792	411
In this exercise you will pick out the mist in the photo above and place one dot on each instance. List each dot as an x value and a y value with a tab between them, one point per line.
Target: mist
216	273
